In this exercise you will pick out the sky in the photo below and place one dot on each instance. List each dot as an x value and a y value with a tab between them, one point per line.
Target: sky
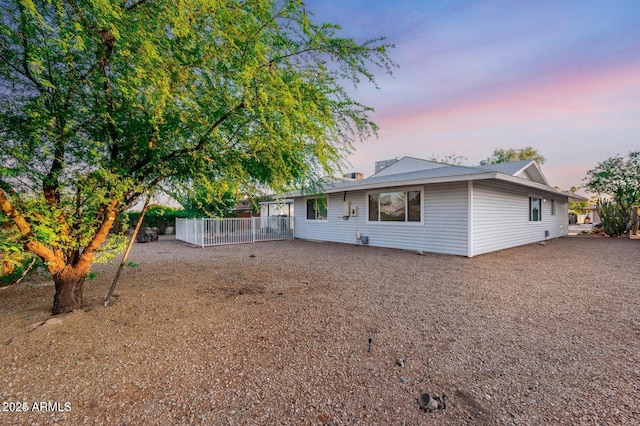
475	75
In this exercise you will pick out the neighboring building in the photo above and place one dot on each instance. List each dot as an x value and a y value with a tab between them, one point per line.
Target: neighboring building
243	208
589	215
416	204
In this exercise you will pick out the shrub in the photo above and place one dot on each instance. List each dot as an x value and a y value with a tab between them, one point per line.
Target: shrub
158	217
613	218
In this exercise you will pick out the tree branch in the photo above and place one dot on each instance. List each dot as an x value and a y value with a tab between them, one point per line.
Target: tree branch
144	167
24	228
131	197
107	223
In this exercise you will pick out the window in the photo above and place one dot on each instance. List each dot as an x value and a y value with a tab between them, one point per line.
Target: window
535	211
317	208
399	206
553	207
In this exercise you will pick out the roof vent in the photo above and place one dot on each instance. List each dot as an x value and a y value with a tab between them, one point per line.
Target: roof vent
483	162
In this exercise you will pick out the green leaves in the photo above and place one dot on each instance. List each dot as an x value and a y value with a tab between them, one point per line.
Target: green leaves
619	178
108	99
507	155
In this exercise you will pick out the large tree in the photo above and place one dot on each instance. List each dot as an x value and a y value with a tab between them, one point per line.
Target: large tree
618	178
501	155
102	100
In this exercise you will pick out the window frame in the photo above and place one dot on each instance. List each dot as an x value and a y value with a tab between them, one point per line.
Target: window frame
540	201
406	190
316	209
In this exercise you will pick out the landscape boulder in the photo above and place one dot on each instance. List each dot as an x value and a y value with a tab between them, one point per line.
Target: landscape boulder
147	235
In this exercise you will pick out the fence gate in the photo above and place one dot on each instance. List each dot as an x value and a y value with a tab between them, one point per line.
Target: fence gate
213	232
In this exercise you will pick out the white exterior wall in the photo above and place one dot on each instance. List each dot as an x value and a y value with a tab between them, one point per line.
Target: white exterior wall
335	228
444	226
501	217
446	218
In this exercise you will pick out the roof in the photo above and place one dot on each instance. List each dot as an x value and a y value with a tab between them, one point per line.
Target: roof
525	173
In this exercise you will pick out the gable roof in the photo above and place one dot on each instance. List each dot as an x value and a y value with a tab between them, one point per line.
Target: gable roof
525	173
404	165
526	169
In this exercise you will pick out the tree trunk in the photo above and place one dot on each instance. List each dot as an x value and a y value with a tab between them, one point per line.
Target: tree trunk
69	290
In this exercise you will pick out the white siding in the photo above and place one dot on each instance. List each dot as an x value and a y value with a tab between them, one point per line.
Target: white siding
524	175
334	229
443	230
446	218
501	217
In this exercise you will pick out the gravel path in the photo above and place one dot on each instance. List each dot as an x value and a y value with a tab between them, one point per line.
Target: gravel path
278	333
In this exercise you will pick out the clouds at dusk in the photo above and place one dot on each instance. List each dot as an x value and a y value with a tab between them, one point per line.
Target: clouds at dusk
563	77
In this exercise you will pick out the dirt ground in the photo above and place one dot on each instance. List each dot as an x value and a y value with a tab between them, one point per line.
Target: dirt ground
298	332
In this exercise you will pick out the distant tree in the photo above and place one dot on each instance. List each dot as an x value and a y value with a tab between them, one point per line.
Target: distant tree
618	178
507	155
101	101
577	207
453	159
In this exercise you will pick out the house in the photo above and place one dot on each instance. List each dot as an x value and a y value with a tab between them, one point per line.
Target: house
242	208
415	204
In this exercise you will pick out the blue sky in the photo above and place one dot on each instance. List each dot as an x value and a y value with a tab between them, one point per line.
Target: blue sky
561	76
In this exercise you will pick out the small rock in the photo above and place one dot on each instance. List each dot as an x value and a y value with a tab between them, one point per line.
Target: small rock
430	403
542	243
400	362
53	321
419	253
403	380
252	255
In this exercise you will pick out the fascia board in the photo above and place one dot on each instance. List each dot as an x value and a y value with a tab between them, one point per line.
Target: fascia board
349	186
410	182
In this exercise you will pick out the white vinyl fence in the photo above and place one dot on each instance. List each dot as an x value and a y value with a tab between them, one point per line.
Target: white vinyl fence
212	232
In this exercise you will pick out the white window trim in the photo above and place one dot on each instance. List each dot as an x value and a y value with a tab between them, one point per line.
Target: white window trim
394	189
529	208
315	198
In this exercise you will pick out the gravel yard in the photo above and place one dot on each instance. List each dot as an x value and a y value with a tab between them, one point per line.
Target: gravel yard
278	333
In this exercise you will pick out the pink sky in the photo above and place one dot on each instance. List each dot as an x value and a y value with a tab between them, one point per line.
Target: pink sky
563	77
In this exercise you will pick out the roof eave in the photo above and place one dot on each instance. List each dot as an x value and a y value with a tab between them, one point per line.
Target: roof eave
530	184
349	186
409	182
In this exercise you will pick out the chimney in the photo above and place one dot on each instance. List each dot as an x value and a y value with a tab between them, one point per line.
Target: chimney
354	175
385	163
